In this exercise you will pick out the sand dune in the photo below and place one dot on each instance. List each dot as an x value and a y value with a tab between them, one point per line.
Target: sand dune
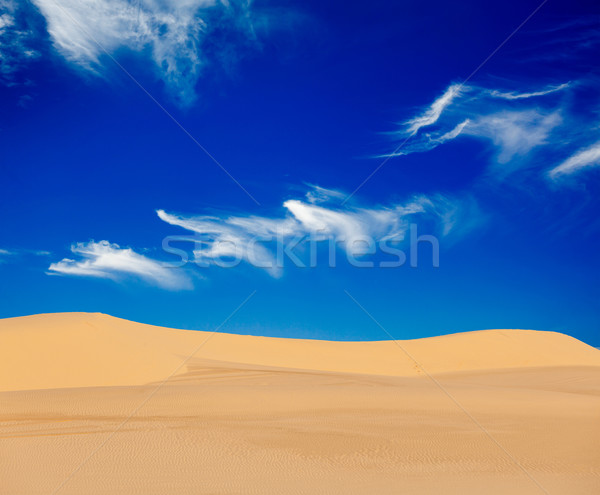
509	411
92	349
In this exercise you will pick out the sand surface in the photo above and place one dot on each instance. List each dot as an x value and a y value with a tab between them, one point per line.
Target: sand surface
91	404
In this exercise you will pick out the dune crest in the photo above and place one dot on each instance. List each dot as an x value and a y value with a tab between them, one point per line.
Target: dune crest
66	350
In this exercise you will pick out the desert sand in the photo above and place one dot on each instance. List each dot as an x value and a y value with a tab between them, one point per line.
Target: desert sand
91	404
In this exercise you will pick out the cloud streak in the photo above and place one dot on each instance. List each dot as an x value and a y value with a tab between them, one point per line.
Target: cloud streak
582	159
18	39
171	34
480	115
110	261
4	253
431	115
514	133
243	237
513	95
18	253
513	123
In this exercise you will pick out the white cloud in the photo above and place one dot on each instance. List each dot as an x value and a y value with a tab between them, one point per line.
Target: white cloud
18	32
433	112
350	226
429	141
513	95
105	260
318	194
234	237
585	158
243	237
172	33
515	123
3	254
18	253
514	132
6	20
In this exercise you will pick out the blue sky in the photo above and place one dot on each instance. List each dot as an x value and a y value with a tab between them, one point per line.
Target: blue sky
125	123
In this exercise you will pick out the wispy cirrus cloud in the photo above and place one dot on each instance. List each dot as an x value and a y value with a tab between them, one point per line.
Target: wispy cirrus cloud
495	116
4	254
433	112
106	260
319	217
521	127
178	37
236	237
19	39
582	159
318	194
513	95
514	133
14	254
452	95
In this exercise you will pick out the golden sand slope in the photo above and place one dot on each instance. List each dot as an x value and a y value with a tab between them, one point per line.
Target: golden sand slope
82	350
508	411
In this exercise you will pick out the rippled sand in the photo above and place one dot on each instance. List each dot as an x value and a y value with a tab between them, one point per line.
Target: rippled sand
89	406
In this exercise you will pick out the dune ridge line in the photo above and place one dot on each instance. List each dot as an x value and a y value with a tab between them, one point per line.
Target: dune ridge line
65	350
